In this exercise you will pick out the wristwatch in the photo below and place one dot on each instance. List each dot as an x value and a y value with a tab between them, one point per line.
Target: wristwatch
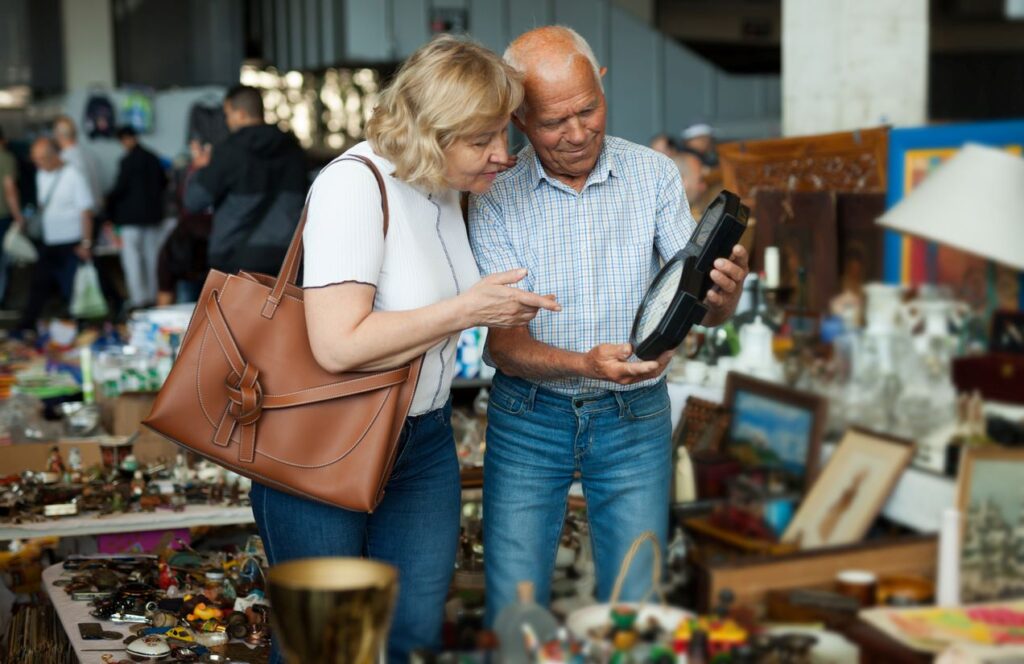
85	244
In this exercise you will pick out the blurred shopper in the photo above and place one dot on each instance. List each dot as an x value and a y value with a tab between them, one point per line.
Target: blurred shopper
73	153
65	220
663	143
256	183
136	204
700	138
182	265
691	169
10	203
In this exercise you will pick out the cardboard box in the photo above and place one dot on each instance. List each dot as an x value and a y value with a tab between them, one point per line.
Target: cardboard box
33	456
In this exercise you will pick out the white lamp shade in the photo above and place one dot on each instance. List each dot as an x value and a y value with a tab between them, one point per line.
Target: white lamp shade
974	201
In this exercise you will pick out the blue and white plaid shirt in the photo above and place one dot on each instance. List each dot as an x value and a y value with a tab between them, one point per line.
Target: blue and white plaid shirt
597	250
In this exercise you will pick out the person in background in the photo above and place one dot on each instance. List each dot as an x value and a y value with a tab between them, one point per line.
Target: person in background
700	139
64	208
71	152
691	169
255	181
10	203
663	143
136	204
182	264
590	217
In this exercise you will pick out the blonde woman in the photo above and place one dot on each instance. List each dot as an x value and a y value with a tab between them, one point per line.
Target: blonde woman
375	303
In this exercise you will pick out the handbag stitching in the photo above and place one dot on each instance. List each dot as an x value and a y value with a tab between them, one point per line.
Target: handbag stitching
345	454
199	391
248	472
202	404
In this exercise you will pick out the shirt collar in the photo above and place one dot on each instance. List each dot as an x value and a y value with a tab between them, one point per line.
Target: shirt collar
602	169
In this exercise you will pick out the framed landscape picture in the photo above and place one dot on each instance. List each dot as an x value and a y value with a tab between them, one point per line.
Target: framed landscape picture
775	427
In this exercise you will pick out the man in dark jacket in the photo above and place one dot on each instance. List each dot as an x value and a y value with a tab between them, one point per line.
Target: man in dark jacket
256	182
136	204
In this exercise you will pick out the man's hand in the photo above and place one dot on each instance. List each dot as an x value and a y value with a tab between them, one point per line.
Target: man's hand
84	252
611	362
201	154
728	276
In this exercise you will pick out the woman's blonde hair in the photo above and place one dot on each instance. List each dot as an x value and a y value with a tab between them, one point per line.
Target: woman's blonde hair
450	88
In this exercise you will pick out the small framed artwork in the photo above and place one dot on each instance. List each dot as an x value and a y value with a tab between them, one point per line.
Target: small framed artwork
991	500
775	427
851	490
1007	332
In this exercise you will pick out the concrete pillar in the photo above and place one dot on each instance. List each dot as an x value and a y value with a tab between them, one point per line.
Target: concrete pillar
848	64
88	43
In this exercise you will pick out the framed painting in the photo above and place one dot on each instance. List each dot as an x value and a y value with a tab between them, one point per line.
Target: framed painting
775	427
851	491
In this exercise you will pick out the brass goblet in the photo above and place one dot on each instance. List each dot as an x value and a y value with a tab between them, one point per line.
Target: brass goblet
331	610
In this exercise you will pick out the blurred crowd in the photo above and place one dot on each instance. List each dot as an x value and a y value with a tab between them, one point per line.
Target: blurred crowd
150	239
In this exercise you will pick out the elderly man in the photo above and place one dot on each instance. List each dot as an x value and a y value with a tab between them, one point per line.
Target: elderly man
64	229
589	216
74	154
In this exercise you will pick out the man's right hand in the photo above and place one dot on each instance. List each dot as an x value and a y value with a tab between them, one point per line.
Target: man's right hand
611	362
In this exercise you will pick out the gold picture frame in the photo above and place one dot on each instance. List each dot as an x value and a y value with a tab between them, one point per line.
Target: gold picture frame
851	490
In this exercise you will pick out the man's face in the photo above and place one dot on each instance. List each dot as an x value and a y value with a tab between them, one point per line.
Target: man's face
128	143
565	118
233	117
43	158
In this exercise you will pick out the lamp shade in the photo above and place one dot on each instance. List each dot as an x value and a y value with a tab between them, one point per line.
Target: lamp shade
974	201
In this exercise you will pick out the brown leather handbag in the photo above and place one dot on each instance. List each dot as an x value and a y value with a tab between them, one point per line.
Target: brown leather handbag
246	392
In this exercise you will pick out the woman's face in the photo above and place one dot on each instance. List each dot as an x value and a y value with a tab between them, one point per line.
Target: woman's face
472	162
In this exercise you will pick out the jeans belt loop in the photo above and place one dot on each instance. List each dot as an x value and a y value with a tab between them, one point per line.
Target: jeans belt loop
622	403
531	397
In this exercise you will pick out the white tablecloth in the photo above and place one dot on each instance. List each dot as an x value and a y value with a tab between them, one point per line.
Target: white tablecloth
131	522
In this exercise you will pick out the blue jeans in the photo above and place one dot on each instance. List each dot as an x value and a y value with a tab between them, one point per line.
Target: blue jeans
415	528
537	440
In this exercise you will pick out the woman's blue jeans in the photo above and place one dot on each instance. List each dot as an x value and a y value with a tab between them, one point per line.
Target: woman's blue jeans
415	528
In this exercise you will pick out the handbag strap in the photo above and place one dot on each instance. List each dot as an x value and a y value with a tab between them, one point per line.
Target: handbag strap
290	268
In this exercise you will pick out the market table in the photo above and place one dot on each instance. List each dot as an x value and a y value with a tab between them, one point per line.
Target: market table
129	522
71	613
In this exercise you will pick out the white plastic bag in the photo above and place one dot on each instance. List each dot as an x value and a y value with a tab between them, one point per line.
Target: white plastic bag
19	248
87	299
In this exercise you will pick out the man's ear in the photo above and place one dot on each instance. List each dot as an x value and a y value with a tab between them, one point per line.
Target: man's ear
518	121
602	71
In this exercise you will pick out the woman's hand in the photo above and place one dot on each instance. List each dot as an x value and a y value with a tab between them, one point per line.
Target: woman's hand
492	302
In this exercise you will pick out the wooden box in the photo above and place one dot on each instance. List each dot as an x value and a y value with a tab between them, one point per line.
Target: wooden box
752	577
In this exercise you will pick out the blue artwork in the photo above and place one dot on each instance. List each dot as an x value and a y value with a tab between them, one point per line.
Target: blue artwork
769	433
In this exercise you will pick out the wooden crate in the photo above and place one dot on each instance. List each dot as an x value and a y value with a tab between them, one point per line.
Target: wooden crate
752	577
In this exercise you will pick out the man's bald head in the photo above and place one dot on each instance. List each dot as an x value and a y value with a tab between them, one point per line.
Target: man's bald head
45	155
550	51
563	111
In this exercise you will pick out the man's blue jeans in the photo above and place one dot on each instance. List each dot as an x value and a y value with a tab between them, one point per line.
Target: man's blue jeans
537	440
415	528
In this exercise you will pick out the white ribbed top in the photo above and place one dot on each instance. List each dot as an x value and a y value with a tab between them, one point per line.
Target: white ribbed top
425	258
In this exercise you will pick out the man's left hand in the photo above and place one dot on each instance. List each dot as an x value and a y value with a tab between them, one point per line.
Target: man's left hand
728	277
84	253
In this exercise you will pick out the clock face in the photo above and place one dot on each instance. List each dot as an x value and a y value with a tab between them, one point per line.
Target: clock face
659	299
